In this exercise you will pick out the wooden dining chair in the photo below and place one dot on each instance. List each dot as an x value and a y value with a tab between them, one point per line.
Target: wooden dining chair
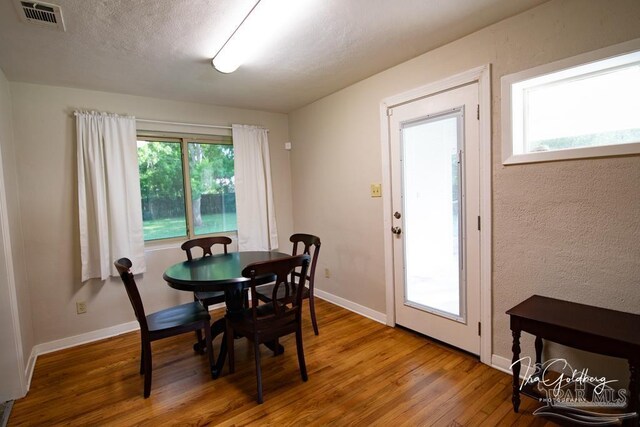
207	298
162	324
306	244
267	322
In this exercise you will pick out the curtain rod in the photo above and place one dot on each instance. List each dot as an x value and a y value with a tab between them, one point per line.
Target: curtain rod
182	124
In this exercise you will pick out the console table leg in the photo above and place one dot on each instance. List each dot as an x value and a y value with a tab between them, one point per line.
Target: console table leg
515	367
538	353
634	396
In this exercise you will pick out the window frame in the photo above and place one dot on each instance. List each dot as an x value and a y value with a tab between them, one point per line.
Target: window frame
509	154
184	139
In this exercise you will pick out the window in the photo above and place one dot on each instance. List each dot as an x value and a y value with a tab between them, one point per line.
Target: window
581	107
187	186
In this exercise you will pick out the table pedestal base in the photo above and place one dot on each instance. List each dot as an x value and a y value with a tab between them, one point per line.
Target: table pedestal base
217	328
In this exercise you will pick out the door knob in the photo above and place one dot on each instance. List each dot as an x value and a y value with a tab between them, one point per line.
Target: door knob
396	230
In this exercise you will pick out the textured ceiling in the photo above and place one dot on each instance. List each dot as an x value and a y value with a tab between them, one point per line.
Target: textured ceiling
163	48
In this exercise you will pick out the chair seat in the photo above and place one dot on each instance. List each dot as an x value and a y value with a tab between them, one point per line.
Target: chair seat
265	292
262	310
176	317
244	322
210	297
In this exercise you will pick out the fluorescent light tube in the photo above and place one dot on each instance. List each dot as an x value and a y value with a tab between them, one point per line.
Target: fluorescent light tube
265	22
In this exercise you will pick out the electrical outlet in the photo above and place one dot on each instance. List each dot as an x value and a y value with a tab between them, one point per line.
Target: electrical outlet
327	273
81	307
376	190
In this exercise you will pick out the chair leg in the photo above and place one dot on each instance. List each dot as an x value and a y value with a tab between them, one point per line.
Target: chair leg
256	349
229	336
198	347
147	369
141	357
300	348
276	346
207	338
312	308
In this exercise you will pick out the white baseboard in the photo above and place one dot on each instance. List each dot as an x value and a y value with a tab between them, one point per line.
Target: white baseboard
349	305
73	341
352	306
501	363
87	337
31	364
123	328
498	362
4	420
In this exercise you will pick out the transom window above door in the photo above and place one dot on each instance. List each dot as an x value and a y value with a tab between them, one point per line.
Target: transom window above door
585	106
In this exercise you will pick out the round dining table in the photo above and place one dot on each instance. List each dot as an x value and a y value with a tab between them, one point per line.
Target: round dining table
220	272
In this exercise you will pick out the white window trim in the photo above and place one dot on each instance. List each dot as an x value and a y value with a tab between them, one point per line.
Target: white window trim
507	82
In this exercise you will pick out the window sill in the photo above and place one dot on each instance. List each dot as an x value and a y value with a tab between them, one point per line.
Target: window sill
572	153
175	243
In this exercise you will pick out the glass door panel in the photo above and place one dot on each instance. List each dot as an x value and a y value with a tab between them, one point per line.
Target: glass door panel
432	220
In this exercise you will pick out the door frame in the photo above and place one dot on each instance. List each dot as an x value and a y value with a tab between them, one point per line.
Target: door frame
482	76
18	384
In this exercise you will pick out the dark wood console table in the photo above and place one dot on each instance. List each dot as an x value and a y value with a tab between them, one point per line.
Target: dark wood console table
594	329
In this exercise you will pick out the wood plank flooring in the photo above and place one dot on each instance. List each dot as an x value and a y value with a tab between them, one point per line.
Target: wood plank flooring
360	373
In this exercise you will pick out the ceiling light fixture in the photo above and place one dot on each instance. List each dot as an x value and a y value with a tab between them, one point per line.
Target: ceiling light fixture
262	24
227	61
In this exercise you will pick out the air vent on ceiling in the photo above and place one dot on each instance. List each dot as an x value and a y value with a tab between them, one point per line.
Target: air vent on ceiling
39	13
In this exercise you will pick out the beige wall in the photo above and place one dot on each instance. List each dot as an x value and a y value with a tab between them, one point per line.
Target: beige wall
46	160
567	229
12	361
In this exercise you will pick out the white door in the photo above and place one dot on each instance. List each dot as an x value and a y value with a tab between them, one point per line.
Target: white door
435	200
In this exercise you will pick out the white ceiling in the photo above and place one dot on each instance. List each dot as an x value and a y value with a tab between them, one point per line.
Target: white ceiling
163	48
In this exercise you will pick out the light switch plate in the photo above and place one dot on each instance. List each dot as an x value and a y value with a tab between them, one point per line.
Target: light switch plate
376	190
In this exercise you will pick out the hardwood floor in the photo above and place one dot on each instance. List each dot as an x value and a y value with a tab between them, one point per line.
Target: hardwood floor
360	373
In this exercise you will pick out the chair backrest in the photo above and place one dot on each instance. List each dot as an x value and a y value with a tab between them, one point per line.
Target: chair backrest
123	265
282	269
310	245
205	243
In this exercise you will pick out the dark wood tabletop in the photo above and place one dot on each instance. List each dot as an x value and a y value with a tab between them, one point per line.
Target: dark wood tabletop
596	329
214	273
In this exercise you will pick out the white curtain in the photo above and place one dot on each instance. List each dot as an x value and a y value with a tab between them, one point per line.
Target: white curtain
109	203
254	197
